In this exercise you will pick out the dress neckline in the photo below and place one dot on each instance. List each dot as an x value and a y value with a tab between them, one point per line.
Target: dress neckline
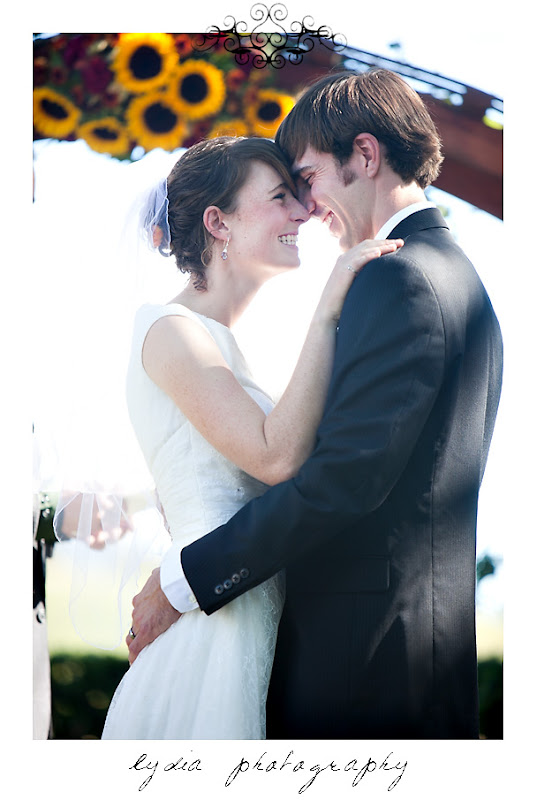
203	316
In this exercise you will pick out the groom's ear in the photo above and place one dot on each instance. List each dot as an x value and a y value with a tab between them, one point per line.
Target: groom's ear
214	222
367	149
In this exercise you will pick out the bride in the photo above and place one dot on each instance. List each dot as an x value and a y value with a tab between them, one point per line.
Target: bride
211	437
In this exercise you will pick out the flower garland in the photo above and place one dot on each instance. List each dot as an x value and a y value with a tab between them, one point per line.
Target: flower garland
124	91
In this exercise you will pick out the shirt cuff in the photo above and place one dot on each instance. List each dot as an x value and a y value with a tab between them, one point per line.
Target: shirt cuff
174	583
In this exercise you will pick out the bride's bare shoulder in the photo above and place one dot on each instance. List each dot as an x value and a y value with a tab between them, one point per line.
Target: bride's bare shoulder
177	340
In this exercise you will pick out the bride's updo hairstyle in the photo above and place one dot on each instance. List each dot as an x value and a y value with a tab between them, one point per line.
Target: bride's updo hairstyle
211	173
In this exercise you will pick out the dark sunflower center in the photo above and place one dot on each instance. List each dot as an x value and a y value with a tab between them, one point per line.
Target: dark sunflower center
53	109
105	133
194	88
159	118
268	112
145	63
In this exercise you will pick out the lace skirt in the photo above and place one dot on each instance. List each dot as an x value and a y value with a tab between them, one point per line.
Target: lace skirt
206	677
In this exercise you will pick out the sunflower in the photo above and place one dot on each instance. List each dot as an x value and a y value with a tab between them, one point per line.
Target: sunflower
199	89
267	111
154	120
106	135
229	127
54	114
144	61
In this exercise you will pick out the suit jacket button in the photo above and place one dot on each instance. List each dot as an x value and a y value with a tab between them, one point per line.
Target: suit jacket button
227	584
236	578
244	573
218	589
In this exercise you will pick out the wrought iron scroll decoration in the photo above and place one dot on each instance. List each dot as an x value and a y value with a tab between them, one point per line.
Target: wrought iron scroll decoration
269	49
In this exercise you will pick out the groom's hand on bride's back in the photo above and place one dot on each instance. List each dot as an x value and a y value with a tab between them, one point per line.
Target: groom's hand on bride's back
152	615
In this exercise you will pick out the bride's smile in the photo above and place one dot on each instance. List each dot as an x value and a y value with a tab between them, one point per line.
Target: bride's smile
268	215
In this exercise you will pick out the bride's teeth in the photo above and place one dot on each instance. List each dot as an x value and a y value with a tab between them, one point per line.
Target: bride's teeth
288	239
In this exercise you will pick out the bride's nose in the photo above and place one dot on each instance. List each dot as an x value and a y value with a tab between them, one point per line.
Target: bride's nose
300	213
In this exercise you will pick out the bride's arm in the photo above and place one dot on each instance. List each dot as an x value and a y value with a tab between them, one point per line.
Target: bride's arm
185	362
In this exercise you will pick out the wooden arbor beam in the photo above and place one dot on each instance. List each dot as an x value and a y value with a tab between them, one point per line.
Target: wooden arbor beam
473	152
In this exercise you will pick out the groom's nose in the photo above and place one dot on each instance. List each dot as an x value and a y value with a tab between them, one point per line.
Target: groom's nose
305	198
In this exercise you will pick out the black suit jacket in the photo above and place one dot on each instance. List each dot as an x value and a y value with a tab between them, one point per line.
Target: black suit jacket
377	531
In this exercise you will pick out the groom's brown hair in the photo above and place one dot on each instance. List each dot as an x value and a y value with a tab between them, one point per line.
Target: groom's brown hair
334	110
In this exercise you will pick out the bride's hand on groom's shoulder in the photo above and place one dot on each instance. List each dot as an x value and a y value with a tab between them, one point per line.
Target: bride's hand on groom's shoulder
345	270
358	256
152	615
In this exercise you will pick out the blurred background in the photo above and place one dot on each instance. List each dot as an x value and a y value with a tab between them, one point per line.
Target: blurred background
112	112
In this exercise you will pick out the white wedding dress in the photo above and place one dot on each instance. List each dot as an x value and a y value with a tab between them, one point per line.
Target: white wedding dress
206	677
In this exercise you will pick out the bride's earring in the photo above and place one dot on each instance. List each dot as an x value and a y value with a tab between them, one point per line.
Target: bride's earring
224	251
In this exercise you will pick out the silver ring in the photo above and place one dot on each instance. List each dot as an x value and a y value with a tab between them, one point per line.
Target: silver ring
131	633
351	269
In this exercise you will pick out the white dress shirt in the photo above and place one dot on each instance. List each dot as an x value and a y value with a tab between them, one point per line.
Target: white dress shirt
173	582
172	578
399	216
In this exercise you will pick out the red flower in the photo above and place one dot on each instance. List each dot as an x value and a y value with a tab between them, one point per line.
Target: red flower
110	99
58	42
235	78
77	95
183	44
233	107
58	76
74	50
200	131
96	75
40	71
250	95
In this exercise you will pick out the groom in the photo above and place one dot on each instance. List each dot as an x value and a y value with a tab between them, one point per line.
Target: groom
377	531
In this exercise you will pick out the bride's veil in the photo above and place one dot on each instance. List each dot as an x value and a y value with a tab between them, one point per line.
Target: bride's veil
94	272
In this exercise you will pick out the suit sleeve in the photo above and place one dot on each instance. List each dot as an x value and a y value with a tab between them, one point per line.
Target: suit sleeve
388	367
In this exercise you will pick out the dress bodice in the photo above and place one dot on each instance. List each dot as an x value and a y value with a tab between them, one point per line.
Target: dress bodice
198	488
